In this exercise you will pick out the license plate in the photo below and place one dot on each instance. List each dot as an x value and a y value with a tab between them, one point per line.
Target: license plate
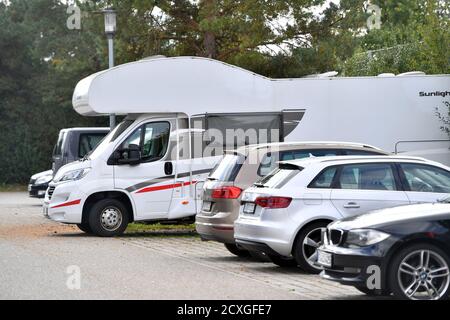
325	259
29	187
45	210
249	208
206	206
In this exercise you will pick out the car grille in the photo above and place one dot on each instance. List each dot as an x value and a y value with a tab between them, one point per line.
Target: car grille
50	192
335	236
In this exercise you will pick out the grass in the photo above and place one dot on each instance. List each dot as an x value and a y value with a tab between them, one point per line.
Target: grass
158	229
12	187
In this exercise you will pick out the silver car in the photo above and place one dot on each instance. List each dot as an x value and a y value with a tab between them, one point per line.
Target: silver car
239	169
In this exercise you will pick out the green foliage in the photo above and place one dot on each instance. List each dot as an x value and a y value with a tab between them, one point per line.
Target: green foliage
37	78
41	60
414	35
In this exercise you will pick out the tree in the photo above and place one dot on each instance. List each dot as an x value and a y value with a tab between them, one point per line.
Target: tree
414	35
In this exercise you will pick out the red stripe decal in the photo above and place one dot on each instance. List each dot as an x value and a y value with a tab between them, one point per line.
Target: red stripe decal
166	187
71	203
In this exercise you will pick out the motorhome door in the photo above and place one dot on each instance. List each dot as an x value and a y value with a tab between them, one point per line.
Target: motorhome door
151	181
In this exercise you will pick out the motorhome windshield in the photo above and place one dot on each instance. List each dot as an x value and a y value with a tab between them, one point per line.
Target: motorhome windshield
111	136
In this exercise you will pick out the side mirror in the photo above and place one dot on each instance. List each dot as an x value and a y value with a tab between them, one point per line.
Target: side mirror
131	155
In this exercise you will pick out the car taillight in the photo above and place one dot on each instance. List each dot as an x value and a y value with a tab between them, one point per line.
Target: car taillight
273	202
226	193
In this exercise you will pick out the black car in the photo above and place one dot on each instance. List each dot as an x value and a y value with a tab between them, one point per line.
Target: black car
39	183
403	250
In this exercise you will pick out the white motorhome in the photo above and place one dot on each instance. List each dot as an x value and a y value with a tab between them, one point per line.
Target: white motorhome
150	167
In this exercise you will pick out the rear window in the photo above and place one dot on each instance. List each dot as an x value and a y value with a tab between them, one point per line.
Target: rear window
228	168
278	177
269	161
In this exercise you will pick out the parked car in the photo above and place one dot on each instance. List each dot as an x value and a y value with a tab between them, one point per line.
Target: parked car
284	213
409	245
72	144
241	168
39	183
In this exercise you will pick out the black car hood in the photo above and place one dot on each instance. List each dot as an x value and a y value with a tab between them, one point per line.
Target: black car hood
394	215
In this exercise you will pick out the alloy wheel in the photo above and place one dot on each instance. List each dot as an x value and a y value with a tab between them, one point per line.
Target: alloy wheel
423	275
311	243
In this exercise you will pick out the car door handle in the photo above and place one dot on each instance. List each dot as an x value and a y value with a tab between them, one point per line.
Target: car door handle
351	205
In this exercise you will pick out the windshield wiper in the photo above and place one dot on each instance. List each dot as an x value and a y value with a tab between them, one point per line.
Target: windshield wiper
259	185
444	200
86	156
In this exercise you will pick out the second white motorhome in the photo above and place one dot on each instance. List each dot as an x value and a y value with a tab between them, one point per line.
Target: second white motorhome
182	111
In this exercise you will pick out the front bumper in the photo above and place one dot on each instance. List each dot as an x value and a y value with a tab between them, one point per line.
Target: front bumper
355	266
37	191
65	203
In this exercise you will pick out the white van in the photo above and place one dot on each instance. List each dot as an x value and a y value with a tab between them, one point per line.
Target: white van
151	166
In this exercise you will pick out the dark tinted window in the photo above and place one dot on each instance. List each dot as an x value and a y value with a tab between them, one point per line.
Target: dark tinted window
373	176
325	179
361	153
424	178
269	160
88	141
228	168
279	177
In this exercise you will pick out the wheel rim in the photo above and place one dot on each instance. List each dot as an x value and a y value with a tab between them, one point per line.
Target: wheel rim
311	243
423	275
111	218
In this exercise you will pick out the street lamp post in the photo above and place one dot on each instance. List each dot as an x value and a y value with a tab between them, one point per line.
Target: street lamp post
110	30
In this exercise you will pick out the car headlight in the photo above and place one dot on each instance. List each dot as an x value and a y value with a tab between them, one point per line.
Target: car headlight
73	175
44	179
365	237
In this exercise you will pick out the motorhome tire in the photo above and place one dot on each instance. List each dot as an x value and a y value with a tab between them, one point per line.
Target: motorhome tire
85	228
108	218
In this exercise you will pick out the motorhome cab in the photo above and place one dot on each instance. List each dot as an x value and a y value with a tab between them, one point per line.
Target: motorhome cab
181	114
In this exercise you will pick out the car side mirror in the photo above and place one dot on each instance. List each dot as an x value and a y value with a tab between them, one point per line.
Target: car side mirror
131	155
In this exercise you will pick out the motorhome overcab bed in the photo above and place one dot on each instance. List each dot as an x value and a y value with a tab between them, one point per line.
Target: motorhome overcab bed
151	166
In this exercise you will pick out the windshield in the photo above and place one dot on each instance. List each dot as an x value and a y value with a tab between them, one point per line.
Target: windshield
57	150
111	136
228	168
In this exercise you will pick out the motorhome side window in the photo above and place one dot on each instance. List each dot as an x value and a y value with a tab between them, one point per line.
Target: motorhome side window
153	139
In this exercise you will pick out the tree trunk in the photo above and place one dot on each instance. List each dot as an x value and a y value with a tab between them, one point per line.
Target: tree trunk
209	40
209	43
